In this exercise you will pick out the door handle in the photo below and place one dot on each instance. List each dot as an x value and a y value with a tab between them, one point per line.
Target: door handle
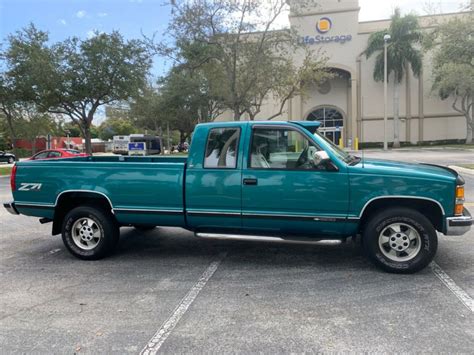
250	181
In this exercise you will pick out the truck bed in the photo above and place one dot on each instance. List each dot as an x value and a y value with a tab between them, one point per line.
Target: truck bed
147	190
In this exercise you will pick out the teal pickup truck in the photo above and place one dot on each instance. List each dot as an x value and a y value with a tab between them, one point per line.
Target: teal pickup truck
258	181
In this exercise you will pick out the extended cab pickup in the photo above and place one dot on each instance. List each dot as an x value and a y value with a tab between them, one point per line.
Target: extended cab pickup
269	181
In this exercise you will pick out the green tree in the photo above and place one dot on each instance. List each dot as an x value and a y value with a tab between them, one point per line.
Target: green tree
244	59
186	100
70	128
10	106
146	110
115	126
453	67
181	100
76	77
22	119
402	54
35	124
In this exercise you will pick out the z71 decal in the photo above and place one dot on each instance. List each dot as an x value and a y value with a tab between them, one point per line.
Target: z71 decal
24	186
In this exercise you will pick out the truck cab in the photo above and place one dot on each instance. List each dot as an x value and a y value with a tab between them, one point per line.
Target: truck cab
272	184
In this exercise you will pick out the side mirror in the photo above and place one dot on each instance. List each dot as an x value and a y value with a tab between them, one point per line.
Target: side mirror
320	157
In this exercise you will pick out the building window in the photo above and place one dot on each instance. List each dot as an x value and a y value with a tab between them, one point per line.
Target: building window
332	122
328	116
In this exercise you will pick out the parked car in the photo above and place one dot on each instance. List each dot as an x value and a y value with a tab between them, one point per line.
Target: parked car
7	157
253	181
183	147
57	153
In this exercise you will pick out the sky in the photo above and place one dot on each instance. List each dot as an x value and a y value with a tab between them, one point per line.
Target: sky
65	18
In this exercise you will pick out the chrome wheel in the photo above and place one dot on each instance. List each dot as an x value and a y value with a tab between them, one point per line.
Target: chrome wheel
400	242
86	233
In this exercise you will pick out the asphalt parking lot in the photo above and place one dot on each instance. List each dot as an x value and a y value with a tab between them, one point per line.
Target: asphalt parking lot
171	292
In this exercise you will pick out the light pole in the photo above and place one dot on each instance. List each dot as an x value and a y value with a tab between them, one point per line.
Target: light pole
386	38
68	141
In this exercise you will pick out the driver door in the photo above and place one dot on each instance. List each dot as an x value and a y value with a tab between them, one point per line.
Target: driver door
282	190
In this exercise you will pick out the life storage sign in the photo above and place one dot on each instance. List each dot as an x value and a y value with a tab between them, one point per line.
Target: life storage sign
323	27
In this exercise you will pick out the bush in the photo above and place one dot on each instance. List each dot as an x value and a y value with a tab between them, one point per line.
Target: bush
22	153
4	145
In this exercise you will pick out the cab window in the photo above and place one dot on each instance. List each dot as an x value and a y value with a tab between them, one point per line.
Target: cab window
279	148
221	148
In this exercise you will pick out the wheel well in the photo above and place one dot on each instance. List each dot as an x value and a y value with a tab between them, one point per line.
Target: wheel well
429	209
69	200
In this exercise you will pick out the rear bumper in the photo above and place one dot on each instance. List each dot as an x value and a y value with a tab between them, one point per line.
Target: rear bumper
10	207
459	225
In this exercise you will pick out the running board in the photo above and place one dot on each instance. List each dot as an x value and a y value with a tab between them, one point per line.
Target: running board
258	238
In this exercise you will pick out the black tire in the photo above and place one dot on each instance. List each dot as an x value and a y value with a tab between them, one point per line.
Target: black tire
424	243
104	222
11	160
143	227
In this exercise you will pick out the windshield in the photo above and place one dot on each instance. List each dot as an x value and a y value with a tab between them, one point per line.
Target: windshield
340	153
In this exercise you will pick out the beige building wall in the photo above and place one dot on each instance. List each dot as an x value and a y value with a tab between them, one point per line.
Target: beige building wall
424	117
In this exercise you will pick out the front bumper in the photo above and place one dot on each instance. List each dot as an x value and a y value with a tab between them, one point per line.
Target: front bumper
10	207
459	225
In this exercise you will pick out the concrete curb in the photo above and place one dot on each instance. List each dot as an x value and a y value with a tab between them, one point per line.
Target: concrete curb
462	170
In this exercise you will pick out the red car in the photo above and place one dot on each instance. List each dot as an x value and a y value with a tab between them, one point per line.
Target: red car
57	153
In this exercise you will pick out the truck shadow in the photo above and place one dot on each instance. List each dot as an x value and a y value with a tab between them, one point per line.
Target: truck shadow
178	243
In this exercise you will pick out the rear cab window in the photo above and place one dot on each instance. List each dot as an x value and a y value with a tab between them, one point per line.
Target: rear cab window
222	148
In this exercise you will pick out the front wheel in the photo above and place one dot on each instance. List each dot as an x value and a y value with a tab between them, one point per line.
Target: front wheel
90	233
11	160
400	240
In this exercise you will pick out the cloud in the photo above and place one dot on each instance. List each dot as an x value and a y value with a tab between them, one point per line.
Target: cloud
93	32
102	14
81	14
62	22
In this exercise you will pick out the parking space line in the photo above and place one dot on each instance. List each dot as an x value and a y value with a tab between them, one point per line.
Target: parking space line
165	330
452	286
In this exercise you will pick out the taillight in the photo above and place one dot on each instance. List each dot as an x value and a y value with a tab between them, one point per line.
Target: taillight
13	178
459	203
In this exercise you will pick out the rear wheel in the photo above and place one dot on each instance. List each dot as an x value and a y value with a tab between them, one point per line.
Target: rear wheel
90	233
11	160
400	240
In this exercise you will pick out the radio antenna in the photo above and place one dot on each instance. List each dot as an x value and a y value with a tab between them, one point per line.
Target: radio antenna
362	129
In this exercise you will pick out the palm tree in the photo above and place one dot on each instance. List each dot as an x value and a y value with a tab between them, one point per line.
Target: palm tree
405	34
